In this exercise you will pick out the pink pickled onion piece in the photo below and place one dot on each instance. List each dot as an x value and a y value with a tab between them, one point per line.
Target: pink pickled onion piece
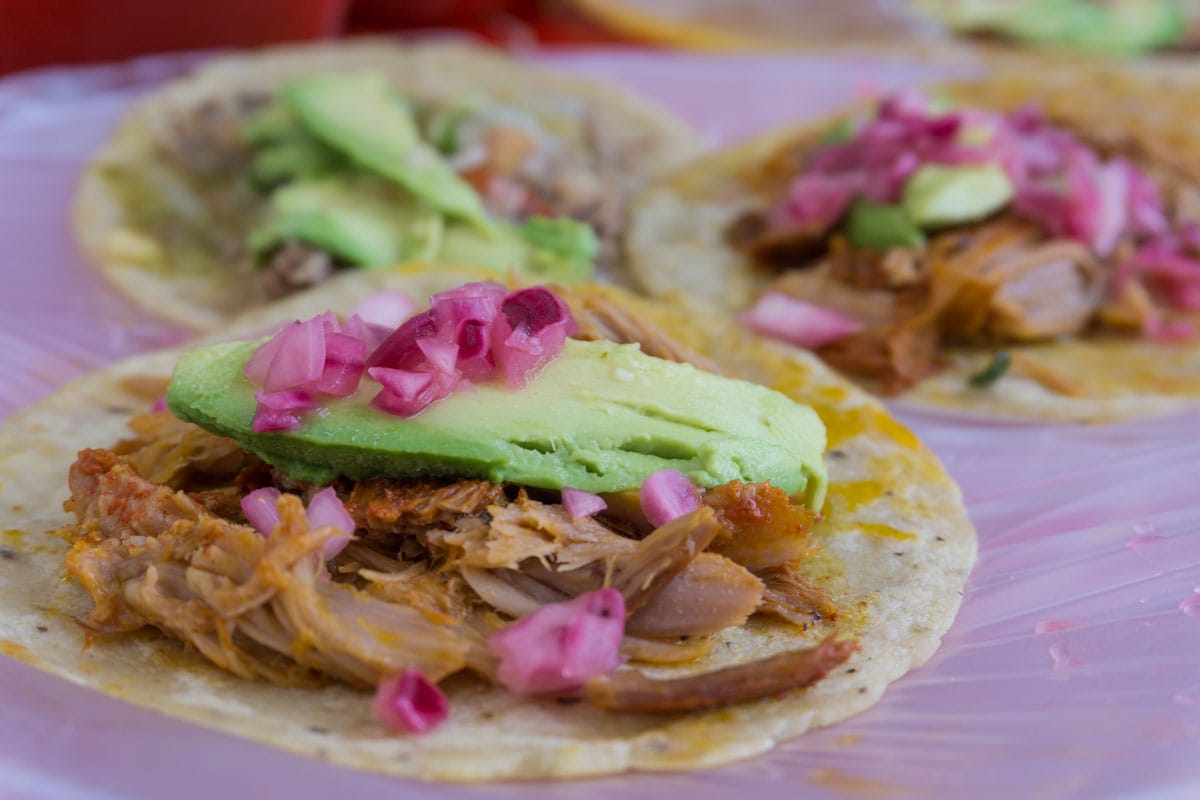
300	358
789	319
530	333
369	333
1112	183
1145	204
160	404
580	504
407	393
399	350
815	199
259	365
479	300
668	494
269	420
410	702
442	355
475	359
345	361
1158	330
261	509
538	309
289	400
329	322
326	508
561	645
388	309
520	354
1173	276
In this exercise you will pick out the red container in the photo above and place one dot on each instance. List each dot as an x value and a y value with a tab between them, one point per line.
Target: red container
40	32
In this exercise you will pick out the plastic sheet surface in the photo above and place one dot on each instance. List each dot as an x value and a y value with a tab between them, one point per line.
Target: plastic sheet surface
1073	669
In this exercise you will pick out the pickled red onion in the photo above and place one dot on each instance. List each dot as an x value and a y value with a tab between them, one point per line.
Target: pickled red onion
410	702
325	508
666	495
261	509
559	646
792	320
387	309
580	504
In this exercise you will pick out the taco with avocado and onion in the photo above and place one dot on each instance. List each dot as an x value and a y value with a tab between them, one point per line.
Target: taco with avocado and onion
1014	246
522	533
265	173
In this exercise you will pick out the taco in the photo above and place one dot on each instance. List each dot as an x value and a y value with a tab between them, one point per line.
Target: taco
1023	245
801	561
261	174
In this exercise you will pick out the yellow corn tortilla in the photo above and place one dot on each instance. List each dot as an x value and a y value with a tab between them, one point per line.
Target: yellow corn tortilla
185	278
677	244
895	550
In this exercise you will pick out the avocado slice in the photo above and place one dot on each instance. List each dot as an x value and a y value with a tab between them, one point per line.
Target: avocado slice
937	195
369	223
601	417
1115	27
291	159
562	250
354	219
360	117
878	226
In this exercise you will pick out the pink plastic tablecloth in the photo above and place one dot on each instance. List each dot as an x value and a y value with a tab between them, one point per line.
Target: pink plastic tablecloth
1097	527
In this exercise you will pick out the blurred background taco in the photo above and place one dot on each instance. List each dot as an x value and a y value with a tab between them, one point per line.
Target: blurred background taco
265	173
1021	245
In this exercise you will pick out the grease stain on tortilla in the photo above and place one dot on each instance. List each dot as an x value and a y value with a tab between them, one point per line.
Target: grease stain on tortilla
18	651
843	783
13	537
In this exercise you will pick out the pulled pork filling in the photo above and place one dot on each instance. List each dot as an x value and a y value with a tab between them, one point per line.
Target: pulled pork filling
434	568
1107	245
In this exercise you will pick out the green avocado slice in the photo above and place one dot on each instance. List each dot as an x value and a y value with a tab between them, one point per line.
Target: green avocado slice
937	195
601	417
878	226
1115	27
354	219
360	116
369	223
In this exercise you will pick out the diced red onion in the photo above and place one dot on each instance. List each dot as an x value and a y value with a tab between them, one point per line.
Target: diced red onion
259	365
441	354
533	325
262	510
269	420
279	411
1158	330
580	504
410	702
345	361
816	199
289	400
400	351
559	646
160	404
372	335
792	320
480	300
326	508
666	495
300	358
387	309
407	393
475	359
